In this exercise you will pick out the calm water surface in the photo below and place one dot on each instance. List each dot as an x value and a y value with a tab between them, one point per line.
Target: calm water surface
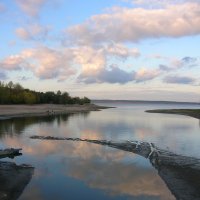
79	170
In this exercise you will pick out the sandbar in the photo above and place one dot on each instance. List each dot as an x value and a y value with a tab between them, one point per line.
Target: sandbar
188	112
13	111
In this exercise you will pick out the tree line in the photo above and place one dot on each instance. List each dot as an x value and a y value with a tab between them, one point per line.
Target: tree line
11	93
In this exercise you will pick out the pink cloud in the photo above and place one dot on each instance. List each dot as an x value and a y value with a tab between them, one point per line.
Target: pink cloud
32	32
13	62
44	62
146	74
134	24
31	7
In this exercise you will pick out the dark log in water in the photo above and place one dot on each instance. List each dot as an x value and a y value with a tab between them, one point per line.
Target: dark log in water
180	173
11	153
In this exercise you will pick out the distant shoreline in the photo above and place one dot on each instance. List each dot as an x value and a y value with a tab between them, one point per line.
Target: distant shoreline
15	111
96	101
188	112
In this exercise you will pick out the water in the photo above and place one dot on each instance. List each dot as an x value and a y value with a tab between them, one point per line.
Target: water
79	170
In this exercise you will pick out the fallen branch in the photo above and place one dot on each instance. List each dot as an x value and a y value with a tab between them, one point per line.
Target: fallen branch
11	153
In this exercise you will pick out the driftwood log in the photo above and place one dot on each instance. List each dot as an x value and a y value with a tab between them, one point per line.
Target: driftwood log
11	152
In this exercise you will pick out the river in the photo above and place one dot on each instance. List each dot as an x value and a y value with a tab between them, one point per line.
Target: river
81	170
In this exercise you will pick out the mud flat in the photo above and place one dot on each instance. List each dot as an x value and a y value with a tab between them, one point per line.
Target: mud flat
188	112
12	111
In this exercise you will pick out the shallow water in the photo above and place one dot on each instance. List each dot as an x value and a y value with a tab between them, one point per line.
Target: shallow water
78	170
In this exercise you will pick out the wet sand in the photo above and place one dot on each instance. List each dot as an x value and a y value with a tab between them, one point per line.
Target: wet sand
11	111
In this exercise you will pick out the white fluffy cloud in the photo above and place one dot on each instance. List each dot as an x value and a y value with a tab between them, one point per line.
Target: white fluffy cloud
44	62
91	60
121	51
13	62
49	63
94	60
91	65
61	64
134	24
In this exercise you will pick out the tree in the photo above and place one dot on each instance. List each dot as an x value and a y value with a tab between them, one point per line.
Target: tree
29	98
16	94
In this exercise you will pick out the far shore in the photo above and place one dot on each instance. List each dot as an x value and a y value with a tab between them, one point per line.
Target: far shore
188	112
14	111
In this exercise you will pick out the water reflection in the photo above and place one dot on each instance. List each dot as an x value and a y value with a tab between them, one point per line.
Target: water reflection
180	173
11	127
117	174
118	179
69	170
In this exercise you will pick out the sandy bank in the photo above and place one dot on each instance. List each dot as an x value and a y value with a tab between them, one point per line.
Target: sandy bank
11	111
188	112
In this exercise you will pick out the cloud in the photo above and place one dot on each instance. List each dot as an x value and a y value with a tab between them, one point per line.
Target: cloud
179	79
164	68
147	74
31	7
90	64
156	3
13	62
3	76
112	75
94	60
49	63
135	24
23	34
44	62
91	60
190	61
186	61
121	51
116	75
94	63
32	32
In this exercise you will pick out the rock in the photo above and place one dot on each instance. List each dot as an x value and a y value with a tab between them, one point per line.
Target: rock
13	179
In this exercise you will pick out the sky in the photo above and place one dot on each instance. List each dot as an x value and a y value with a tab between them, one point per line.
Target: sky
116	49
